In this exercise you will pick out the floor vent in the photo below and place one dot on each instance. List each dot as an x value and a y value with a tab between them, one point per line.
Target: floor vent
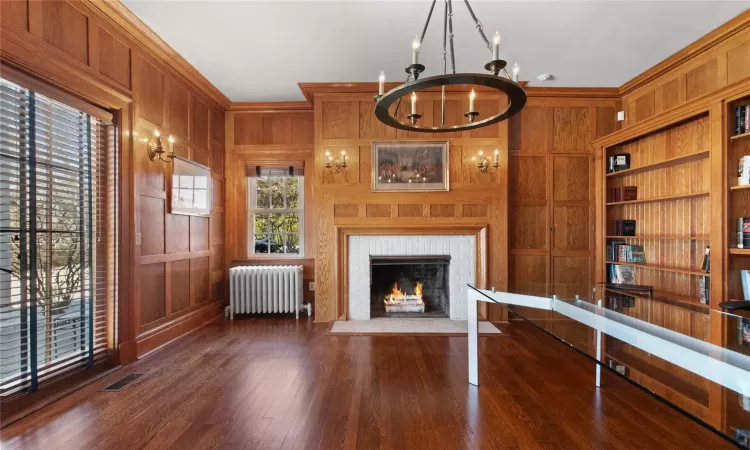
120	385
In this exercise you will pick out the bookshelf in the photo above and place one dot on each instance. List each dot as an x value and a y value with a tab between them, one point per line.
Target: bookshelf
671	171
738	201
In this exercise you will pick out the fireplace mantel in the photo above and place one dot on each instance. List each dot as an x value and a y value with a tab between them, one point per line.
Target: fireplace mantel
453	228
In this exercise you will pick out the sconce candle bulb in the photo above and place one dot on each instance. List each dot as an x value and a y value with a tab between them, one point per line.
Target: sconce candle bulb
336	165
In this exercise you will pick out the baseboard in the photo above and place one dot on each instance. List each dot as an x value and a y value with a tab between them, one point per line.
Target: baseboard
164	334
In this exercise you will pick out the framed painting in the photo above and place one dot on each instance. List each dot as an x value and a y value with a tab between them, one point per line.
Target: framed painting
191	188
410	166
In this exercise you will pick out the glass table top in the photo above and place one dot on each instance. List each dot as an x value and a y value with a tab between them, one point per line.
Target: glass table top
695	356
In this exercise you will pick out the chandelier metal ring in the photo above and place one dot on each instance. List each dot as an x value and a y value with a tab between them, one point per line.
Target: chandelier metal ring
515	92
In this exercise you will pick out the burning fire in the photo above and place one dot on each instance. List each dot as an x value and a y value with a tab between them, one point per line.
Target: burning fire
398	296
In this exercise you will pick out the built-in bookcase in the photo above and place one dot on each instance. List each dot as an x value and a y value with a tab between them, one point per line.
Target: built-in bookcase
738	201
672	212
738	205
671	172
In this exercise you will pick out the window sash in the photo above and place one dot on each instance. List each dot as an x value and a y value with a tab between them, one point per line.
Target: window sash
253	210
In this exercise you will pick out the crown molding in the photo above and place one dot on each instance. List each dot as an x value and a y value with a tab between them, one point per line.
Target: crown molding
145	36
573	92
710	40
270	107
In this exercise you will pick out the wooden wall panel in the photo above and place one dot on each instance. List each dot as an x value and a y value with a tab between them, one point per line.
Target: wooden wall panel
572	129
180	285
99	52
571	177
200	279
66	28
152	222
337	116
350	210
378	210
198	234
572	229
15	15
718	59
199	132
114	58
178	227
527	178
148	90
527	225
410	210
152	305
738	63
444	210
178	108
528	274
472	210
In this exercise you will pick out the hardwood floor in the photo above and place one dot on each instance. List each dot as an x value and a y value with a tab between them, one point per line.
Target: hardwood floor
279	383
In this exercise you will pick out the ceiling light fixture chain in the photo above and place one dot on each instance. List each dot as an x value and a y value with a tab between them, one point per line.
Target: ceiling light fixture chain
503	83
480	28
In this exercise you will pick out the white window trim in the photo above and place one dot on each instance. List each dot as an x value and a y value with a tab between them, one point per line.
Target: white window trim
252	193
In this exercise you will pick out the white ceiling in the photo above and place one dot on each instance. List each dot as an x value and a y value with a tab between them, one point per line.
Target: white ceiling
260	50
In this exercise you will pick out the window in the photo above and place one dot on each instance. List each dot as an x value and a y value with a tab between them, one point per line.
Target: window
58	184
275	212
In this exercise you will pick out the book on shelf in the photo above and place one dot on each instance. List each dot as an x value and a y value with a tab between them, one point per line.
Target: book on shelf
745	279
740	243
623	194
706	263
619	301
745	331
704	286
743	170
742	119
625	227
621	274
618	162
745	233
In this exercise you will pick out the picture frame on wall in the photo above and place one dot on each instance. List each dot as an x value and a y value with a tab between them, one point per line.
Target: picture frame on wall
191	188
410	166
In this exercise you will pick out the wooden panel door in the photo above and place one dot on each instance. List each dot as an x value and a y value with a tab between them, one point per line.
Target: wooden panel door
571	221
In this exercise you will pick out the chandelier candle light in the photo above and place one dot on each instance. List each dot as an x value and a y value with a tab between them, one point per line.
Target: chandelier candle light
498	79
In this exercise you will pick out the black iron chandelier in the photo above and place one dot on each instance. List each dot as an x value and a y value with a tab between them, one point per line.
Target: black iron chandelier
498	79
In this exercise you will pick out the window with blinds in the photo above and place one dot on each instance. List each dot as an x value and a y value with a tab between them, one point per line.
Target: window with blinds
58	239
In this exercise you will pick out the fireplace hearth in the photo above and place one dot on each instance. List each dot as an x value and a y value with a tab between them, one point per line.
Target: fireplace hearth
409	286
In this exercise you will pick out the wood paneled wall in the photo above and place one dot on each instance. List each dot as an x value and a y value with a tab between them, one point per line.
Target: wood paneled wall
267	137
172	267
551	192
719	59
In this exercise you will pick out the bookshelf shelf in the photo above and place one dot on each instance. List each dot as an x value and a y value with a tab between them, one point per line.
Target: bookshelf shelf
740	136
686	270
739	251
660	165
703	237
670	298
660	199
738	188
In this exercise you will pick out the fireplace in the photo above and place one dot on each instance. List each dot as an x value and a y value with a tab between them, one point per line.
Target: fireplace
409	286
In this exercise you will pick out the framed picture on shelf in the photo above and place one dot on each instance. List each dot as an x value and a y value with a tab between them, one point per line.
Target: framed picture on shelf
410	166
191	188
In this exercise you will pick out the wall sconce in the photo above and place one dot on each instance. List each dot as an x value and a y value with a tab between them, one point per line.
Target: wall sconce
336	165
155	149
483	164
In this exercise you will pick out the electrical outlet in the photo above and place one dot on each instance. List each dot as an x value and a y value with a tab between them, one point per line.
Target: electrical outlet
311	286
137	239
620	116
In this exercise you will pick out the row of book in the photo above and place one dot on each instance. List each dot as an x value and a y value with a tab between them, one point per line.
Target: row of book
625	227
742	119
743	171
620	251
618	162
622	194
621	274
743	232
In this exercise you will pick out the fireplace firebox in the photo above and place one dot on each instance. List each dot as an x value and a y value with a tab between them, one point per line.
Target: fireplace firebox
409	286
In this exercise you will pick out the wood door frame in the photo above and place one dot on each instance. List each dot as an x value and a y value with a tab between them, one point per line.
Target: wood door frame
449	228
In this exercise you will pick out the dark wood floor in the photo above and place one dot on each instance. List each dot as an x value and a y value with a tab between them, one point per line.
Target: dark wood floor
278	383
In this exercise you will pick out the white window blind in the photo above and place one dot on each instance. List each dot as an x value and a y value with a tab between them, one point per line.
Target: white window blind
58	239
